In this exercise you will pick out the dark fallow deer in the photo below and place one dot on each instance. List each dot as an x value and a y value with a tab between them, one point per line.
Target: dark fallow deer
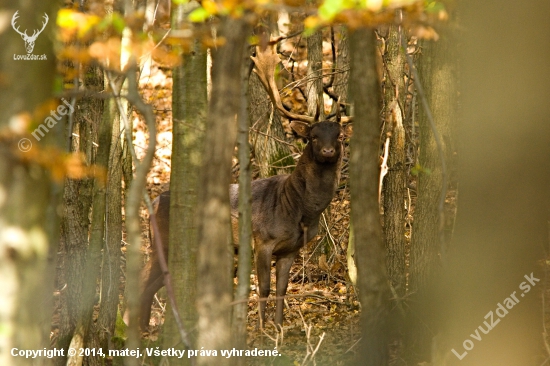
285	208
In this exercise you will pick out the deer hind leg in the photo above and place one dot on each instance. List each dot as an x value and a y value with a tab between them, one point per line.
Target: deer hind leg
152	280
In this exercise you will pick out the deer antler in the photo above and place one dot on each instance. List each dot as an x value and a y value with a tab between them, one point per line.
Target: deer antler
16	28
265	62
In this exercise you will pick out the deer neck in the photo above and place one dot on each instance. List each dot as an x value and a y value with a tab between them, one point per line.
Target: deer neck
312	184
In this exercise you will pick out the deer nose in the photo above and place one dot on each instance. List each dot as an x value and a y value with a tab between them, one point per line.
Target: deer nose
328	152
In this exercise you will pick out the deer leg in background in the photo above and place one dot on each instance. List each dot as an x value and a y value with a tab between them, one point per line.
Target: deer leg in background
263	273
154	283
283	270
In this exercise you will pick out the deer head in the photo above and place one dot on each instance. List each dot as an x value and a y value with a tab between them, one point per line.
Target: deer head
29	40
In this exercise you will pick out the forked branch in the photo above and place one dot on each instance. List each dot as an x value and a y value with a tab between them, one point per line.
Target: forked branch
265	63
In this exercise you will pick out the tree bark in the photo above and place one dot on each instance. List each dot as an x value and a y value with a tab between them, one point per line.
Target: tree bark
215	249
244	268
364	176
340	83
78	195
395	180
189	103
26	187
110	269
133	200
314	89
437	72
93	251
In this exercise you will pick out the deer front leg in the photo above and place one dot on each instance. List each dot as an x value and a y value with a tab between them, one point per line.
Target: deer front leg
283	270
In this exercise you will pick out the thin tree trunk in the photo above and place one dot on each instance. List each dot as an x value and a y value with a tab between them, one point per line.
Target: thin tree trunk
103	330
133	200
340	83
395	180
189	105
215	249
364	174
240	310
110	269
314	90
93	251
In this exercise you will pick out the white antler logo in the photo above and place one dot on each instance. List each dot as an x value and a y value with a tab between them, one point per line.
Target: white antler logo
29	40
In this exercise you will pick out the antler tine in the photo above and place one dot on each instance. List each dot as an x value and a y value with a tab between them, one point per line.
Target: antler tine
265	63
338	111
317	110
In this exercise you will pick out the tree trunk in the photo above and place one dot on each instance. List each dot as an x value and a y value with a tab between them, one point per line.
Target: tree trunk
92	262
364	174
240	311
189	103
75	227
133	200
26	186
314	89
395	180
215	249
110	269
437	72
340	83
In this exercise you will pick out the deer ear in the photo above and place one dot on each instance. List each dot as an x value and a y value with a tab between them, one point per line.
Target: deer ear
302	129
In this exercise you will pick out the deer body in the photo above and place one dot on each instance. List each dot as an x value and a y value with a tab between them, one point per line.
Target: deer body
285	208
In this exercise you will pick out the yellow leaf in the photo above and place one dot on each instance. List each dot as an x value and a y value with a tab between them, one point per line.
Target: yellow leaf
68	19
373	5
311	22
65	18
210	6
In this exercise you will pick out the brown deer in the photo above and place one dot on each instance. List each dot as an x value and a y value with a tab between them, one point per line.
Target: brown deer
285	208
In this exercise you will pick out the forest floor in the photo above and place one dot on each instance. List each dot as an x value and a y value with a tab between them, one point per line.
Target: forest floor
323	312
